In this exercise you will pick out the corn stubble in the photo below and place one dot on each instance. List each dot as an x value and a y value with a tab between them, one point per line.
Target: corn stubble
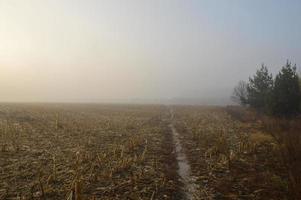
231	158
80	152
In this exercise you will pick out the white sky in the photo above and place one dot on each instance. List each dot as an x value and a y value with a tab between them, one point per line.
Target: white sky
59	50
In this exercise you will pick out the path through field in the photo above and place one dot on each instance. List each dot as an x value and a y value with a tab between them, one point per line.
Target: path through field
50	151
189	188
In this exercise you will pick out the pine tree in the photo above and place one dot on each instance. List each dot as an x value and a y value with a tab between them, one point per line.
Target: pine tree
286	93
260	89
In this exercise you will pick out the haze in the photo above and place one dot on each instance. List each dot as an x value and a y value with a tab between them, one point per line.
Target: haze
141	51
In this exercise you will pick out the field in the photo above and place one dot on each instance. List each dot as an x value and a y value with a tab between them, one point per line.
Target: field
93	151
231	158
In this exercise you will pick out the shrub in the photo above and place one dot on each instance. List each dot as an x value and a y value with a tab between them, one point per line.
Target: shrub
240	93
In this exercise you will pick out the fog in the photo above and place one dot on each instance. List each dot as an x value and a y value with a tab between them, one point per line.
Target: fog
135	51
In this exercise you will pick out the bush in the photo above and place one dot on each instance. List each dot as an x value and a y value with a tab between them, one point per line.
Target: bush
240	93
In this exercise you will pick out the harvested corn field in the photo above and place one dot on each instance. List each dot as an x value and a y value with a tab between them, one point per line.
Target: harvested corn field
94	151
150	100
85	152
230	158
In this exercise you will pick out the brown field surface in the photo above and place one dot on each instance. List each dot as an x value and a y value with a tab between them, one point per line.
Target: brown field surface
98	151
231	158
51	151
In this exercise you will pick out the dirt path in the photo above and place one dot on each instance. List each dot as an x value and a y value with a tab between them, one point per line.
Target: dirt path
184	170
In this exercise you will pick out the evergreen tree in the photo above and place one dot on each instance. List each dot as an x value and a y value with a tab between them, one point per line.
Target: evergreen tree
300	89
299	75
260	89
286	93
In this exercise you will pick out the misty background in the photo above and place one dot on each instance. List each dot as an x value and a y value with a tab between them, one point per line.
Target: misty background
135	51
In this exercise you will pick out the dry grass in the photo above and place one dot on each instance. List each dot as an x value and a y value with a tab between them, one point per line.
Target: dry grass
287	133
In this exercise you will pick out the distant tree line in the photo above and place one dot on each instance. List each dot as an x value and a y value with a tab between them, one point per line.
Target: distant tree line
279	96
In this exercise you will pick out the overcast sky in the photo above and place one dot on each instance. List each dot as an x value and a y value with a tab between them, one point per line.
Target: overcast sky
97	50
